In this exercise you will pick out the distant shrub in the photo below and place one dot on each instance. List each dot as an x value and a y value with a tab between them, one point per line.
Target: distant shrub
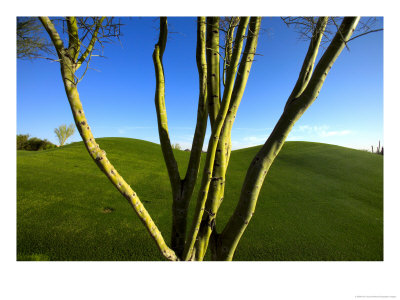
22	141
33	144
176	146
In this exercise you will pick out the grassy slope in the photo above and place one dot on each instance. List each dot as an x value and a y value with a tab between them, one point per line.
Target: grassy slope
319	202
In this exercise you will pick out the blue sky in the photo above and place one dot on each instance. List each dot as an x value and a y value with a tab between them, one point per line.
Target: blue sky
357	88
118	99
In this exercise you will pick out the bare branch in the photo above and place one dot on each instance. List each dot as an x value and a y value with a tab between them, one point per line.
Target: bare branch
261	163
91	44
368	32
162	120
97	154
304	26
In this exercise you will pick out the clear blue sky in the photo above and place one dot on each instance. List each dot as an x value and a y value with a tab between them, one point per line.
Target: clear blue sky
119	100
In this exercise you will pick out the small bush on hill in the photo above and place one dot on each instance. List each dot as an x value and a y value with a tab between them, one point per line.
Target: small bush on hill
22	141
32	144
176	146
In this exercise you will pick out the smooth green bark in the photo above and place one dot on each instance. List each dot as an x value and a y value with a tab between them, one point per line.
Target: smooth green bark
73	40
182	190
233	22
213	68
308	64
222	113
261	163
169	158
94	150
180	208
217	186
177	238
211	153
90	47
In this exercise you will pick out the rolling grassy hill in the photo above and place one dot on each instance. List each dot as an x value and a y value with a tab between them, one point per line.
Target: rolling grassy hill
319	202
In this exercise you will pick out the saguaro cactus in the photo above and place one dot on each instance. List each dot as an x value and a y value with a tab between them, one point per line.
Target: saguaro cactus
221	108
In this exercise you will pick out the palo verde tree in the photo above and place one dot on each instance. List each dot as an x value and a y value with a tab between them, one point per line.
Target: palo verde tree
63	133
30	40
220	94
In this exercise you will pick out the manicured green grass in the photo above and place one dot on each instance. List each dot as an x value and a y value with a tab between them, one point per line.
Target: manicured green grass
319	202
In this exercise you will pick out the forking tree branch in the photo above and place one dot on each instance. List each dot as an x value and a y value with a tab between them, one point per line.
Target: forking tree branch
213	68
97	154
234	90
211	191
305	27
166	147
181	189
213	143
261	163
93	40
181	204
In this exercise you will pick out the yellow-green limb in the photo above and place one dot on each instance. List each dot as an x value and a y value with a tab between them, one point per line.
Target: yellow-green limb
213	68
97	154
207	176
54	36
181	202
217	184
233	21
261	163
74	42
308	63
100	158
162	120
92	42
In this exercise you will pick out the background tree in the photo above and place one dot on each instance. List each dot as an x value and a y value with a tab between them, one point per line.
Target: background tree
22	141
220	105
33	143
63	133
176	146
31	42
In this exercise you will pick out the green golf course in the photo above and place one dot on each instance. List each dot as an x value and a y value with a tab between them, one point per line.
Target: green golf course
319	202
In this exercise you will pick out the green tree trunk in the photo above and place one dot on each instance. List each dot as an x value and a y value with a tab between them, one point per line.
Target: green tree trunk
229	238
181	189
222	113
68	68
233	92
